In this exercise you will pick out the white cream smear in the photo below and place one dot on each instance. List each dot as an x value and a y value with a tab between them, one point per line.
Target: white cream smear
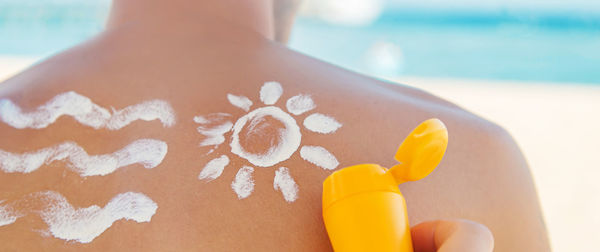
243	184
300	104
146	111
289	138
8	215
85	112
319	156
240	101
285	143
85	224
321	123
214	168
270	92
147	152
213	127
285	183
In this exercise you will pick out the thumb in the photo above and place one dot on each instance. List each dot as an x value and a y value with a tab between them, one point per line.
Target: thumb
451	236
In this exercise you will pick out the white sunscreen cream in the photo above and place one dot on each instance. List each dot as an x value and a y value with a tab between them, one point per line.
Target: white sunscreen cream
146	111
285	183
270	92
85	224
300	104
85	112
213	127
214	168
289	138
319	156
147	152
243	184
7	214
281	145
240	101
321	123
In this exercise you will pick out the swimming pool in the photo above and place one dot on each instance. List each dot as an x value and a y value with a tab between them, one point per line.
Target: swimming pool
527	46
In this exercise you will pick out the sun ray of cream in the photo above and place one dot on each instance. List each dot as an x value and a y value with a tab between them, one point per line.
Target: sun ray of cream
213	141
319	156
212	118
243	184
214	135
240	101
213	127
214	168
321	123
270	92
300	104
284	182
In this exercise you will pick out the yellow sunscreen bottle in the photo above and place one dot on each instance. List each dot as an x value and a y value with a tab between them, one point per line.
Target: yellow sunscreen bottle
363	208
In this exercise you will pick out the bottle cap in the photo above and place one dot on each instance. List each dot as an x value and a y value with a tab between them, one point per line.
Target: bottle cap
421	151
418	155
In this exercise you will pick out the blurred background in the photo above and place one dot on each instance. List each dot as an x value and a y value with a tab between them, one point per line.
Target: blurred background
532	66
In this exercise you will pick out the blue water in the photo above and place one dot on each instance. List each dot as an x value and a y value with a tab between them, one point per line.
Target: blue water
497	45
41	28
464	45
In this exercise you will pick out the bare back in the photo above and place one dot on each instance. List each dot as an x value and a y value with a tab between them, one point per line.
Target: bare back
483	176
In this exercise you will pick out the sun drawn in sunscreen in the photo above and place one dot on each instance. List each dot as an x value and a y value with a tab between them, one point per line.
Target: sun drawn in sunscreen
265	137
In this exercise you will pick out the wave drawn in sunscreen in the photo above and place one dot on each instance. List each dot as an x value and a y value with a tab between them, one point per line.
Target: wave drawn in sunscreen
147	152
284	138
83	225
86	112
8	215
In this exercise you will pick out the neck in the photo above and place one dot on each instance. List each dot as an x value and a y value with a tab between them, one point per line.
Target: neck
256	15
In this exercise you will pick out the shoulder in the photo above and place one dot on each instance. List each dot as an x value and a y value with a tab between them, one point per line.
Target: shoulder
484	175
483	170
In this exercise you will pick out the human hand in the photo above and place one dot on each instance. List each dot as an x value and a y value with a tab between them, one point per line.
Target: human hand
451	236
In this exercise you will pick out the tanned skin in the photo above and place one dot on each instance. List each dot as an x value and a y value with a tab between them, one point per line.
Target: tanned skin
192	54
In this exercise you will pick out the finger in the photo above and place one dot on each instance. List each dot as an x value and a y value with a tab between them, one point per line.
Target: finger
423	236
452	235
